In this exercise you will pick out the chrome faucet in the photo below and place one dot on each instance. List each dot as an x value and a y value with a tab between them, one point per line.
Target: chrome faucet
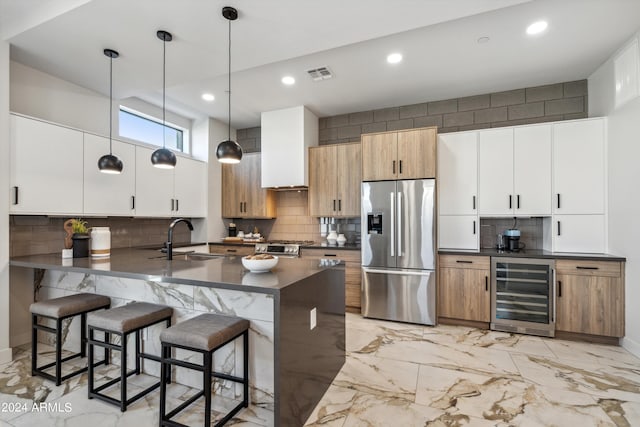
170	236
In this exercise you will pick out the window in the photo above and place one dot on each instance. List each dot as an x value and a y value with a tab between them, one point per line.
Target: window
136	126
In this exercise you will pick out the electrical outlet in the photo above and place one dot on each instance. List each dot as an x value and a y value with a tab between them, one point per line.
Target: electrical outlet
312	319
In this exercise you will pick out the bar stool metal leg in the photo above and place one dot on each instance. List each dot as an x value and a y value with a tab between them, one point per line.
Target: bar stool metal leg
58	352
123	373
83	335
90	363
245	350
207	387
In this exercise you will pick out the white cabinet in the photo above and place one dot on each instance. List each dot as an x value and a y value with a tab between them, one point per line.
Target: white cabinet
458	232
154	186
190	183
458	173
579	167
515	171
170	192
108	194
579	233
46	168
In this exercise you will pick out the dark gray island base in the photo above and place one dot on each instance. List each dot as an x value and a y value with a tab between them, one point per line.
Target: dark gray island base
292	360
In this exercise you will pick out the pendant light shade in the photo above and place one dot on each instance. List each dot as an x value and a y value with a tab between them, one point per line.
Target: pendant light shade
110	163
164	158
229	151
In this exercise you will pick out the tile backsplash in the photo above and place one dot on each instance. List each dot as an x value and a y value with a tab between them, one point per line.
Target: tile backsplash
31	235
531	231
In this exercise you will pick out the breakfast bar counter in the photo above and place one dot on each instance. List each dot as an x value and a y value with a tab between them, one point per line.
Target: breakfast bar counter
296	314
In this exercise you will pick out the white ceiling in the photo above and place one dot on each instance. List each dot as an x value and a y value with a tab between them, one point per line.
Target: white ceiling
438	39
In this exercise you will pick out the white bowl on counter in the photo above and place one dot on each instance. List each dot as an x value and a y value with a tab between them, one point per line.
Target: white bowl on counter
259	265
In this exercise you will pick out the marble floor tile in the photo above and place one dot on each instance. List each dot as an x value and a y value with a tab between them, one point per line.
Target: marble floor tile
598	353
333	408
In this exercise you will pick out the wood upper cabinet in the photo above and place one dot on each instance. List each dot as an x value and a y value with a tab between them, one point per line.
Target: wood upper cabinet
407	154
334	180
242	192
463	287
590	297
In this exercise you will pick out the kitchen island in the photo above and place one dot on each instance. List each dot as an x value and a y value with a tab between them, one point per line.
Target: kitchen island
296	312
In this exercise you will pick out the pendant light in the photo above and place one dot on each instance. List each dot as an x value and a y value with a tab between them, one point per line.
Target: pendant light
164	158
110	163
229	151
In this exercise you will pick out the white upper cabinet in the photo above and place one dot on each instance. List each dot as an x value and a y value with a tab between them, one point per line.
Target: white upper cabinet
154	186
190	183
46	168
532	170
108	194
579	167
515	171
458	173
496	172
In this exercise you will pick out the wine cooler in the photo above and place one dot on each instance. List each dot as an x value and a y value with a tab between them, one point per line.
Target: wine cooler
523	295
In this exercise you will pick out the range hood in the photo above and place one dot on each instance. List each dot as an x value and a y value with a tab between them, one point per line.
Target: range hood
286	136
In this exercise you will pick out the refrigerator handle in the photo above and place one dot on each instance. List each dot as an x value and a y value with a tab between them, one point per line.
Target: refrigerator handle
393	225
399	231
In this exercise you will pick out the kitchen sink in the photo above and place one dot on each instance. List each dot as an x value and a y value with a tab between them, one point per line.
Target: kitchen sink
199	256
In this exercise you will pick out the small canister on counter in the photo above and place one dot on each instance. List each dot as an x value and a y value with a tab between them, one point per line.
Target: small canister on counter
232	229
100	242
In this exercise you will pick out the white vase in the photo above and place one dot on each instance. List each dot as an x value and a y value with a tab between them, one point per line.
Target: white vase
332	237
341	240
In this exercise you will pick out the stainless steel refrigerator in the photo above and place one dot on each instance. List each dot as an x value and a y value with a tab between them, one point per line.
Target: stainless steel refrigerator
398	250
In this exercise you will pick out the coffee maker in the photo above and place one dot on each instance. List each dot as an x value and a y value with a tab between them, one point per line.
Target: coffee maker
512	240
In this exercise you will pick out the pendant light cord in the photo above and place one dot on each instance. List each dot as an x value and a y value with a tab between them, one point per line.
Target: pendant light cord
110	104
229	120
164	88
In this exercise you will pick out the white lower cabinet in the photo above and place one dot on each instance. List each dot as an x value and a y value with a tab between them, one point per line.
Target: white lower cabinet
46	168
579	233
108	194
458	232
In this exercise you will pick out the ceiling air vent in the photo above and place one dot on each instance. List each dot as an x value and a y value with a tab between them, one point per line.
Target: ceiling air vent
320	73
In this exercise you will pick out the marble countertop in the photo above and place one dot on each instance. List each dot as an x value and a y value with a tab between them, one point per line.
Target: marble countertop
224	272
535	253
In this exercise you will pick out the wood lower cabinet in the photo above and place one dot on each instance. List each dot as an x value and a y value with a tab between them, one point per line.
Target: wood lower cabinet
463	288
353	272
242	192
334	180
590	297
407	154
237	249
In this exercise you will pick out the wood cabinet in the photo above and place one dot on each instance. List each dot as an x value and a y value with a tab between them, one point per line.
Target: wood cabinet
590	297
108	194
463	288
237	249
353	273
334	180
515	171
46	168
407	154
242	193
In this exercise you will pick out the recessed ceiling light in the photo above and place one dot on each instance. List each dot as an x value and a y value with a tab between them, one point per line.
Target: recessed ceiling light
537	27
288	80
394	58
208	97
482	40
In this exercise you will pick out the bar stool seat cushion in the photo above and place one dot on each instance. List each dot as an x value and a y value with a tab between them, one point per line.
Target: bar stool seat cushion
204	332
69	305
129	317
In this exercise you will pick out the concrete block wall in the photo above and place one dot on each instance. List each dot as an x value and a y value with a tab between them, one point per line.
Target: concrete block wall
560	101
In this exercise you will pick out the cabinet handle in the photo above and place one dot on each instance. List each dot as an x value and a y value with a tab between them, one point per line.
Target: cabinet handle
133	202
232	250
510	201
559	288
463	261
558	228
340	204
245	207
177	205
474	227
15	195
330	255
400	166
518	201
486	283
334	204
558	200
579	267
474	203
172	205
394	167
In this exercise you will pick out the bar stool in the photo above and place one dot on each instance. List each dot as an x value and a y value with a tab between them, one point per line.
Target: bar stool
123	321
60	309
203	334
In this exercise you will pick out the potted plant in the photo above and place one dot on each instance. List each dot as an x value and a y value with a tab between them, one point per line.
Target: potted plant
80	238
